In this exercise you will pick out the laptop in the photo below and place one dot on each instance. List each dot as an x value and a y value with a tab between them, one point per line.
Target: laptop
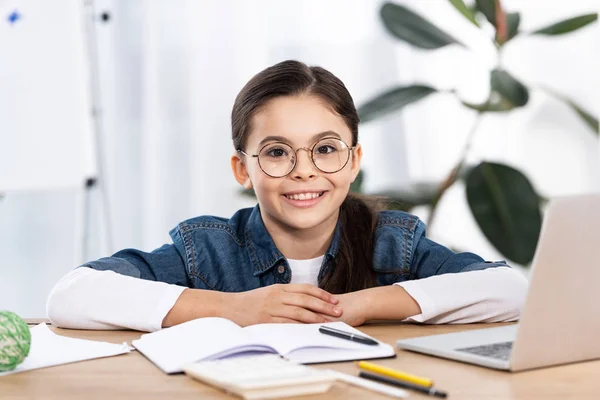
560	320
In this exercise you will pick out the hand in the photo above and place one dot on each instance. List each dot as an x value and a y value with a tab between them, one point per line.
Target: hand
354	306
390	302
283	303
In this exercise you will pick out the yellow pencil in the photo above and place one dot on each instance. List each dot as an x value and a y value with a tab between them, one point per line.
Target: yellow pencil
403	376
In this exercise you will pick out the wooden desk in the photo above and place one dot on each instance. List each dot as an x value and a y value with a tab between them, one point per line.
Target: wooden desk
132	376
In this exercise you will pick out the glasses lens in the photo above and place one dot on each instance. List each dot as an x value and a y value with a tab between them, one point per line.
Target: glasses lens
276	159
330	155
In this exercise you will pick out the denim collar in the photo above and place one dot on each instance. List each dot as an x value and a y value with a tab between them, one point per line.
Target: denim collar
263	252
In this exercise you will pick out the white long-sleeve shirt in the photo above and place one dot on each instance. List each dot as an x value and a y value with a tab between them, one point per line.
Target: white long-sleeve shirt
89	299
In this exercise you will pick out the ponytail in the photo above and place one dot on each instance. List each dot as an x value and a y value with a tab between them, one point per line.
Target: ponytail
353	268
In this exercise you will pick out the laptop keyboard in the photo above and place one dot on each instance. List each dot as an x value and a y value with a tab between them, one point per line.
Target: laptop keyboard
500	351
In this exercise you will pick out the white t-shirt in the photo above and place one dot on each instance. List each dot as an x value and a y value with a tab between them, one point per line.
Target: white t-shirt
305	271
89	299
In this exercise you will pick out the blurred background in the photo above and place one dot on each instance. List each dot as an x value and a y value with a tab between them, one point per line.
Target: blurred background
114	117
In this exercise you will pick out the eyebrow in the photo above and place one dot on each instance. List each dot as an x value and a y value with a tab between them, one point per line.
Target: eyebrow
285	140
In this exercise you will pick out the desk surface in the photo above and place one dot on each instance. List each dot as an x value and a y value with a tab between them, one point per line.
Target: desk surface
133	376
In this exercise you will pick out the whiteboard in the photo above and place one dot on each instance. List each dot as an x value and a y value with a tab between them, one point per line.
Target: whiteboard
45	103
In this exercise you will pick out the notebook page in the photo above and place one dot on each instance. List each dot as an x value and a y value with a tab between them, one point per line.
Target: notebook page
172	348
49	349
304	342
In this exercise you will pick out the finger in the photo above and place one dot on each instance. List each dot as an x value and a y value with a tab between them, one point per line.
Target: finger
328	318
311	303
311	290
280	320
299	314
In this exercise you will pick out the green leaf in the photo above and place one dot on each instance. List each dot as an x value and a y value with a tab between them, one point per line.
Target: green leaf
499	104
417	194
487	8
410	27
392	203
248	193
512	21
506	208
588	118
506	94
509	88
356	186
464	10
568	25
392	100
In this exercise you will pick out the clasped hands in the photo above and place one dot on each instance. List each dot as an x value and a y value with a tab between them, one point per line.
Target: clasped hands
294	303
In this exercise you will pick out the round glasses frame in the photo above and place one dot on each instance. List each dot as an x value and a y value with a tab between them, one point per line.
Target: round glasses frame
310	152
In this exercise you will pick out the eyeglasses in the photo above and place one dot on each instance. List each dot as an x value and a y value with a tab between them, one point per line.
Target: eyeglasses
279	159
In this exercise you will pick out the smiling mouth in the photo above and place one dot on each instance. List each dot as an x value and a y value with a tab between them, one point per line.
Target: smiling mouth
304	196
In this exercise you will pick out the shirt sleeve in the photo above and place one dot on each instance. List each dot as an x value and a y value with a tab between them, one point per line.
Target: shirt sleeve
489	295
89	299
429	258
164	264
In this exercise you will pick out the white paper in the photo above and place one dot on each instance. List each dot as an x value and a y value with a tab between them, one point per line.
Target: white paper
304	343
286	338
172	348
49	349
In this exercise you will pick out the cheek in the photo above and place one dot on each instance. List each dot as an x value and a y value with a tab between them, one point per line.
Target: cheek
342	178
256	175
263	185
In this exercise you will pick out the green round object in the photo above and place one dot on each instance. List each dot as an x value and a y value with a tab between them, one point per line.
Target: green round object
15	340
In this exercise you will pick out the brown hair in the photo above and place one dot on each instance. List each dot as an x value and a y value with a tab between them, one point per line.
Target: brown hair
353	268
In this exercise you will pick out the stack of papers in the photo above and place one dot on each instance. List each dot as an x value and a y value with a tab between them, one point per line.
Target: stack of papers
49	349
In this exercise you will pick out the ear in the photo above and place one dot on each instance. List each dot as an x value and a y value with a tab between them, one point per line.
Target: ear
240	172
356	158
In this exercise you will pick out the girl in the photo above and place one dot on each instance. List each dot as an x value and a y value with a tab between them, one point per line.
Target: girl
308	252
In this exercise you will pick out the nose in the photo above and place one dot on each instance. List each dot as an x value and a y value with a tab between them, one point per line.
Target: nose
304	168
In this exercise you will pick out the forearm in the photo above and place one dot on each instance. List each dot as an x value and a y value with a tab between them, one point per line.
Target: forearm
90	299
490	295
196	303
387	303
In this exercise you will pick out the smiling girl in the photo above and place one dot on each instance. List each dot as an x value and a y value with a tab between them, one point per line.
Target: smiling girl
309	251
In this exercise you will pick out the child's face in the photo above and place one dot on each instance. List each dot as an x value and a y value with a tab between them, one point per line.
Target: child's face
297	120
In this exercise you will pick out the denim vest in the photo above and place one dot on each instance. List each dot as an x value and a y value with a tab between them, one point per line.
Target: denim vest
239	254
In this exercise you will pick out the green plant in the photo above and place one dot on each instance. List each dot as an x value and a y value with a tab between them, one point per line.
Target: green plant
501	198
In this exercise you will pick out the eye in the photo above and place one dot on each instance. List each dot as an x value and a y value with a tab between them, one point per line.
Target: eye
276	152
325	149
328	146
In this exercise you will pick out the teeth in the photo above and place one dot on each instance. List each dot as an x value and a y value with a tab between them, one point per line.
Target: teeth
303	196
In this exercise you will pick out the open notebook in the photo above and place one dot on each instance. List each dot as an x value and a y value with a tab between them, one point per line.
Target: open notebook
214	338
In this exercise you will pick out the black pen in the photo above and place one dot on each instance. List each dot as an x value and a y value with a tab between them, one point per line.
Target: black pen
346	335
406	385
